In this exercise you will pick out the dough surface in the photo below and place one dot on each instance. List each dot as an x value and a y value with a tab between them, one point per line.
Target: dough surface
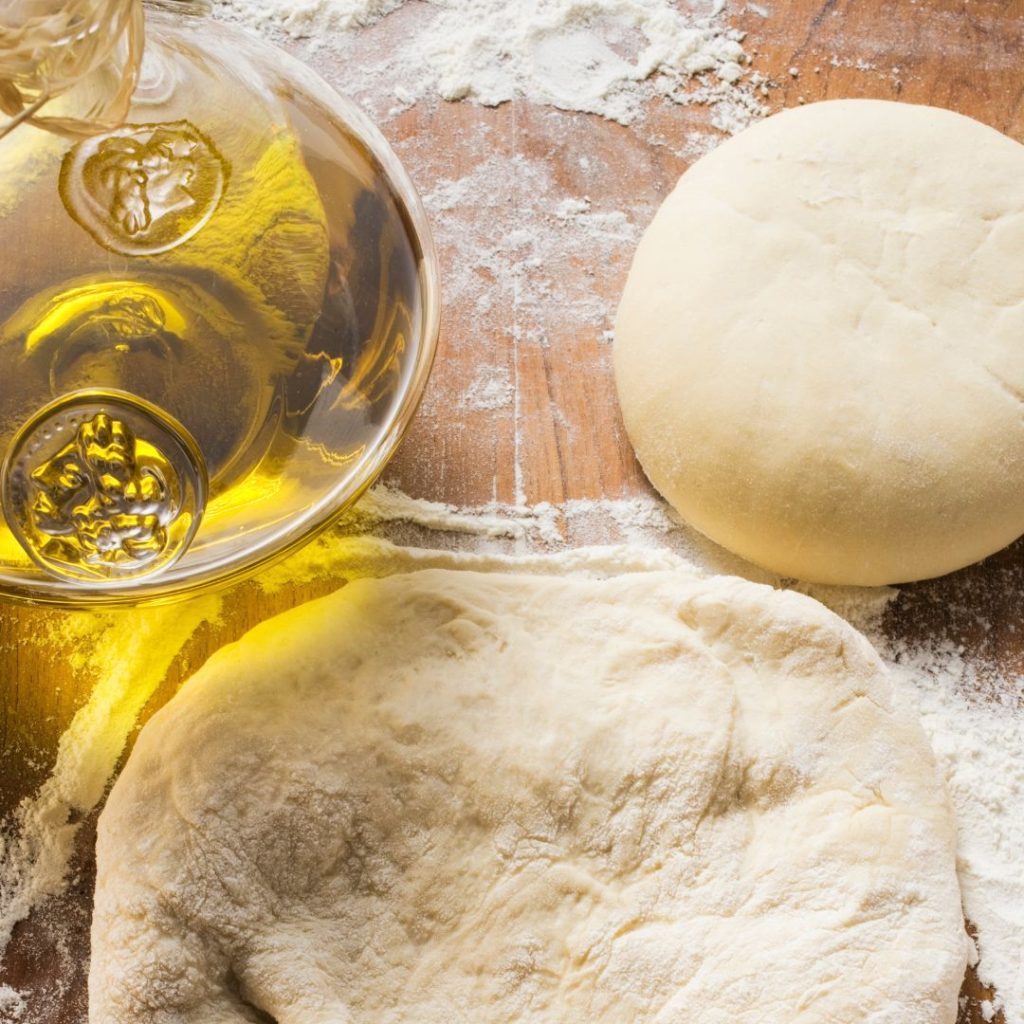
461	798
820	348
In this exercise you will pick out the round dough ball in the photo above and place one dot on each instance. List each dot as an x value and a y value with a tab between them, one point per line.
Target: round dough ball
820	349
461	798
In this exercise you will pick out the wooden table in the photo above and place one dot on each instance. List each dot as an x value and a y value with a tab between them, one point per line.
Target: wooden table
558	436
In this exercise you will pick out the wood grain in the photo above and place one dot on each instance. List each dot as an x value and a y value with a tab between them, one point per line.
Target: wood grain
562	437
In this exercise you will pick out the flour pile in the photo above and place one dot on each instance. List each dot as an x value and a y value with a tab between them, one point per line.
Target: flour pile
305	18
590	56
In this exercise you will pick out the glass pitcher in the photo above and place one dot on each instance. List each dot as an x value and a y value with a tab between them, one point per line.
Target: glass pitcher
218	304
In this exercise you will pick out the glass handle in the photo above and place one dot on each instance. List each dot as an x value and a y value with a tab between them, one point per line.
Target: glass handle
79	56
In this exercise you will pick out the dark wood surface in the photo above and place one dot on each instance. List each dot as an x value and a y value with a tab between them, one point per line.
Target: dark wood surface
562	438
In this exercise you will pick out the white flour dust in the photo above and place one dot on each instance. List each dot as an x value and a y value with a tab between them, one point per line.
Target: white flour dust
12	1004
491	388
305	18
979	742
512	244
602	57
511	240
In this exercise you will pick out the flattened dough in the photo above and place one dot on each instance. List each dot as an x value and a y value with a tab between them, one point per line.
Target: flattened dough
461	798
820	349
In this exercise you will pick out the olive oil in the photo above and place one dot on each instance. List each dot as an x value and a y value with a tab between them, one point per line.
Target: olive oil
208	313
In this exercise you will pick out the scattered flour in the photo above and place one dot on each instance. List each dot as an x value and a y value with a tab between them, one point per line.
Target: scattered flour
603	57
510	242
12	1004
980	744
573	54
612	226
303	19
385	505
860	64
491	388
